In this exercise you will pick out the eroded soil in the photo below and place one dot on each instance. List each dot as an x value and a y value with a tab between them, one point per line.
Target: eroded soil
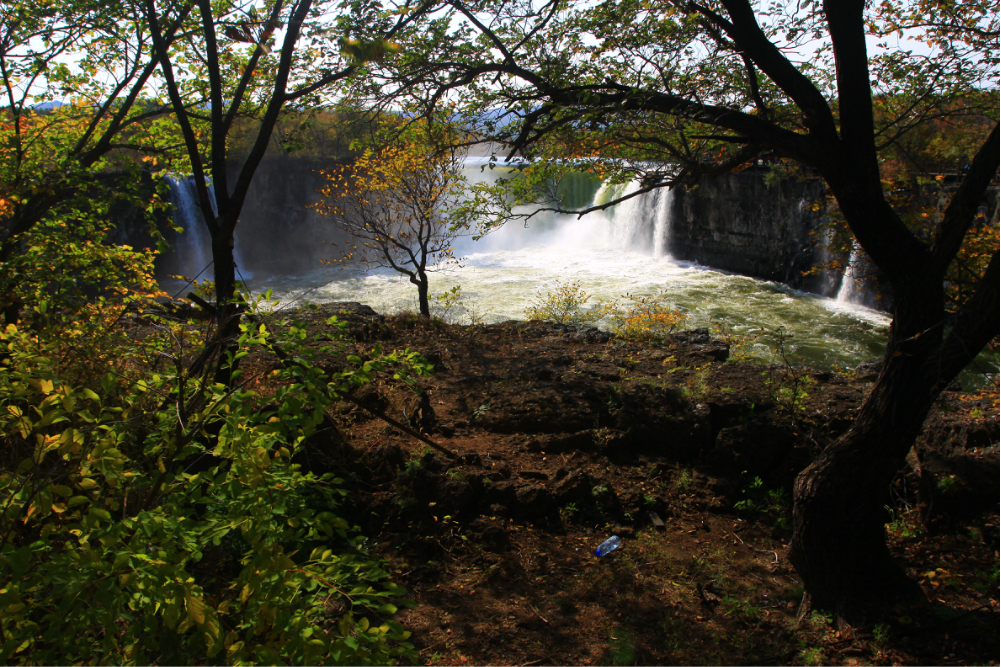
564	437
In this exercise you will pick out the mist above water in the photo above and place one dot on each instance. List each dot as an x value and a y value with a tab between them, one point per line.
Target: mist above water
611	253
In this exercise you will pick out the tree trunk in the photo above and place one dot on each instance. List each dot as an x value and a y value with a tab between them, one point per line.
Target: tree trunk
227	308
422	295
839	541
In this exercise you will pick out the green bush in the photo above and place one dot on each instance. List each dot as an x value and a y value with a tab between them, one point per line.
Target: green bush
157	517
643	318
563	305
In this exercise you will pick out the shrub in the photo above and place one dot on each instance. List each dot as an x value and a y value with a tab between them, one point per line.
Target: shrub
155	517
563	305
644	318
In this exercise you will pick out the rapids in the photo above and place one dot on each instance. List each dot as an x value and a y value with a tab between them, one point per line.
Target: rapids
609	253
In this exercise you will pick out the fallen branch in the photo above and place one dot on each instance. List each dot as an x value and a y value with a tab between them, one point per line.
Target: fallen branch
539	615
406	429
287	361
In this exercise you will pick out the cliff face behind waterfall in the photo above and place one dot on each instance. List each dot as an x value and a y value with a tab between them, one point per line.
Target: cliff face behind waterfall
277	230
739	223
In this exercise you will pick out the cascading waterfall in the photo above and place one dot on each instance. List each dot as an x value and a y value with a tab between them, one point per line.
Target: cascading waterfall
640	224
632	226
194	248
662	222
854	288
831	282
643	223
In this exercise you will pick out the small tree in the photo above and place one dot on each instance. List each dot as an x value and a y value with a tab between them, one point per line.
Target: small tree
396	202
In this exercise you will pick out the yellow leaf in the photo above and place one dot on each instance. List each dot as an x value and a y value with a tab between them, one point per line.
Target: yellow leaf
195	606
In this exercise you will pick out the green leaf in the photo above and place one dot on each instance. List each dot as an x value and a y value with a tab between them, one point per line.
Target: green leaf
196	608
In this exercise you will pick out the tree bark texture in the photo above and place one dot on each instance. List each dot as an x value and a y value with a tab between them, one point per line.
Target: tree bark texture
421	281
839	543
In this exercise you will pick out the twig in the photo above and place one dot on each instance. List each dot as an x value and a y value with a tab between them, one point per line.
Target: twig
767	551
287	361
540	616
405	429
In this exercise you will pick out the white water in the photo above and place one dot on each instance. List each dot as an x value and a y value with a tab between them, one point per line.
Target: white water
195	248
611	253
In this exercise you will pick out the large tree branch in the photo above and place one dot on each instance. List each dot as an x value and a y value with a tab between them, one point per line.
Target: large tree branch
248	71
622	98
292	30
744	30
846	24
962	210
190	141
974	327
120	118
218	146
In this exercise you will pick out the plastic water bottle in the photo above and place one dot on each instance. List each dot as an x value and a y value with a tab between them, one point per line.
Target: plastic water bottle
608	546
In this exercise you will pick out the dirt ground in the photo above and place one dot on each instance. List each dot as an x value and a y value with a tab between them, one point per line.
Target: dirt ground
564	437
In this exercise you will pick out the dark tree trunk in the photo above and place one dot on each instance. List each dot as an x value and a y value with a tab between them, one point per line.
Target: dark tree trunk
225	267
227	307
839	541
421	281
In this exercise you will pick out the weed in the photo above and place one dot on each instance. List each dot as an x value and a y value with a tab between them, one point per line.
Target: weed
734	606
563	305
810	656
450	307
599	490
456	475
644	318
820	619
697	384
987	581
946	485
683	480
411	467
881	634
482	410
739	343
620	647
748	414
713	564
758	499
787	388
904	523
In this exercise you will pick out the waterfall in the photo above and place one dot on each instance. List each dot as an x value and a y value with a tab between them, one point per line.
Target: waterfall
662	222
631	228
193	250
831	282
855	284
643	222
